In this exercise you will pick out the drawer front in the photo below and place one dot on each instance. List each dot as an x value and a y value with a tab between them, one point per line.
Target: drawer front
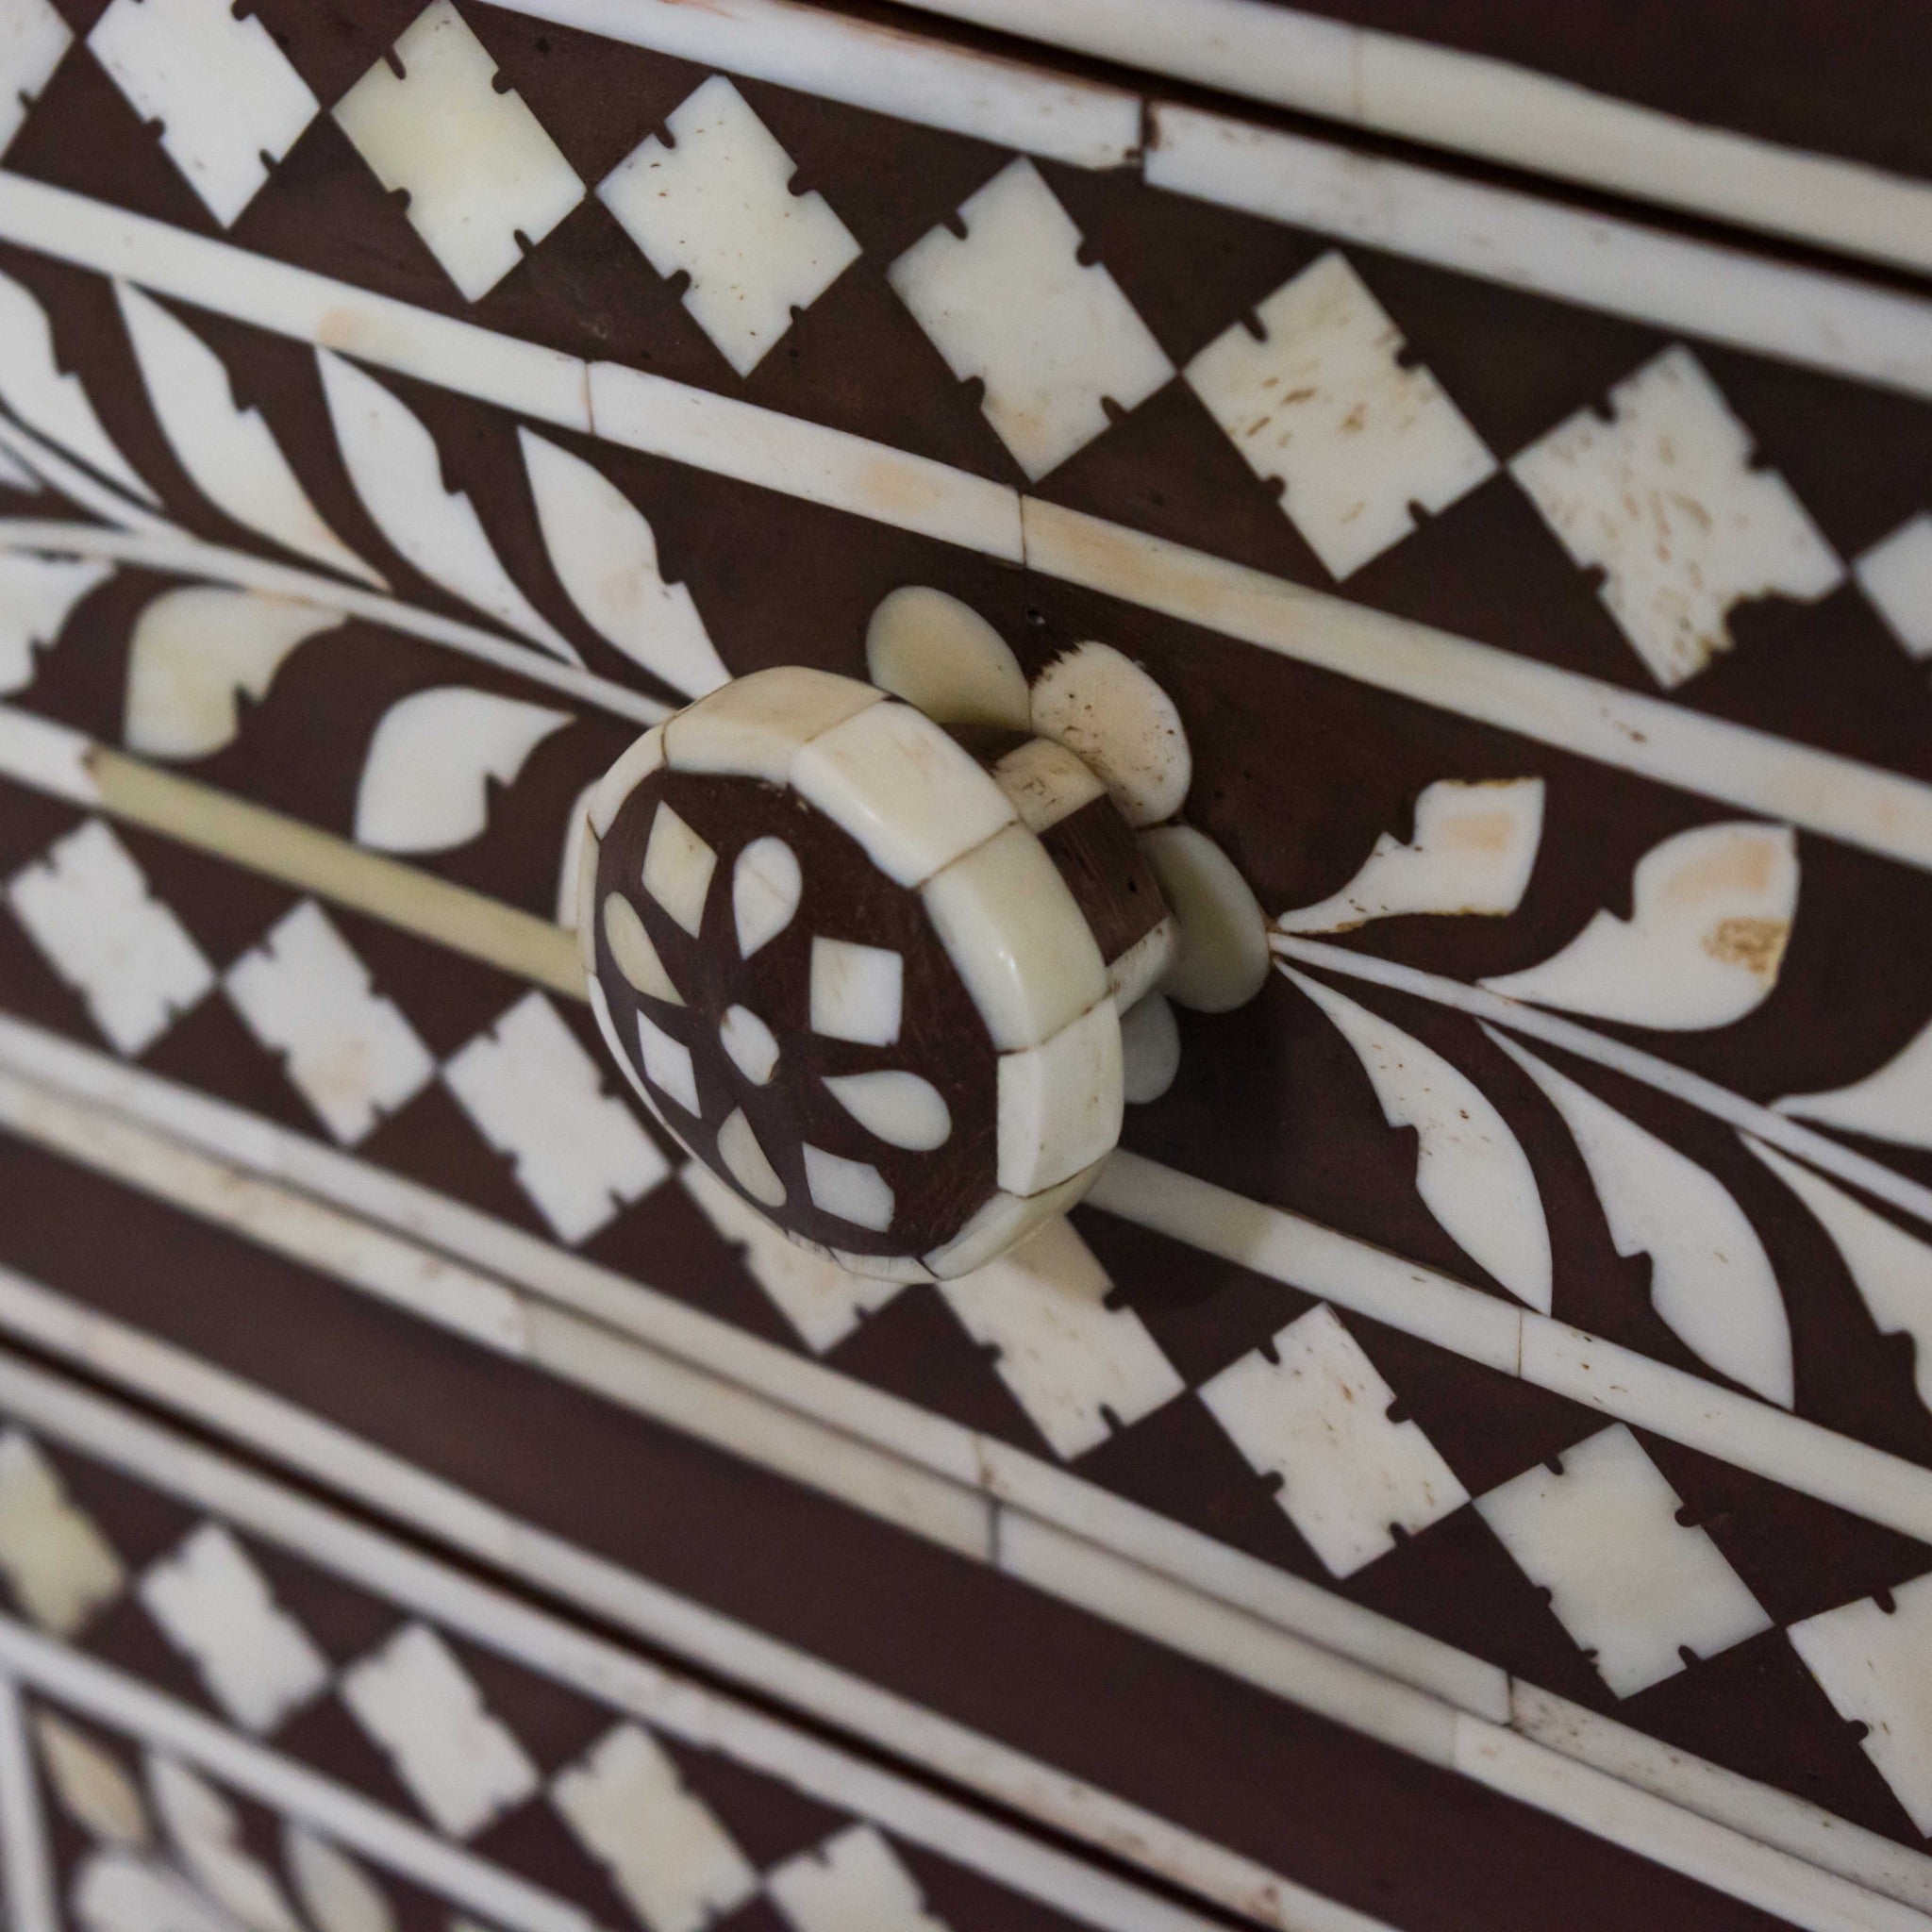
1465	1461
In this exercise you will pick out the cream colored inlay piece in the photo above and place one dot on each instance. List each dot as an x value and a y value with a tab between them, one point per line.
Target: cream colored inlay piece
766	886
1316	1416
857	992
476	164
717	207
854	1191
1052	338
1323	403
637	957
58	1564
677	868
1632	1585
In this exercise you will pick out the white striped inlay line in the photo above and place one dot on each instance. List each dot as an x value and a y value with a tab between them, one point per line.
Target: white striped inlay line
321	1452
1839	797
123	1703
27	1877
600	1670
1747	1116
1736	1862
1105	1576
1477	105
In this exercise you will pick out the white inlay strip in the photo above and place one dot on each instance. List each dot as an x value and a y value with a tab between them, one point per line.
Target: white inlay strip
26	1877
1080	1571
1839	797
344	1463
112	1697
1737	1430
1501	234
1476	104
885	69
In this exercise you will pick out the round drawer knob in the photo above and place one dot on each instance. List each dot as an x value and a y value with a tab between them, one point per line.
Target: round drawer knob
868	969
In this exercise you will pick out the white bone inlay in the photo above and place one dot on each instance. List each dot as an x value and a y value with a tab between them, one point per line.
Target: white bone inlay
1076	1366
227	99
1150	1049
853	1883
305	994
1472	850
823	1302
215	1606
900	1108
747	1163
1896	578
1046	782
903	788
856	991
1052	338
668	1064
1016	935
1632	1585
677	868
1099	704
1710	913
854	1191
637	957
1325	403
941	656
536	1095
766	886
60	1566
1060	1103
718	207
424	1709
335	1891
476	164
1664	500
1316	1417
208	1832
33	42
93	1786
666	1852
1876	1665
749	1043
86	904
754	727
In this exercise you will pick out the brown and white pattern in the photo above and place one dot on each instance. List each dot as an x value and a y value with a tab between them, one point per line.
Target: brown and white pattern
1586	1120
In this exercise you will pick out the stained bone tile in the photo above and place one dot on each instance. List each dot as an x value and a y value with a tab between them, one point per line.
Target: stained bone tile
1050	336
305	994
854	1191
1874	1662
1046	783
1323	402
904	789
1316	1417
1632	1585
1664	500
1010	926
476	164
677	868
717	207
225	95
1060	1103
86	904
536	1095
857	992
